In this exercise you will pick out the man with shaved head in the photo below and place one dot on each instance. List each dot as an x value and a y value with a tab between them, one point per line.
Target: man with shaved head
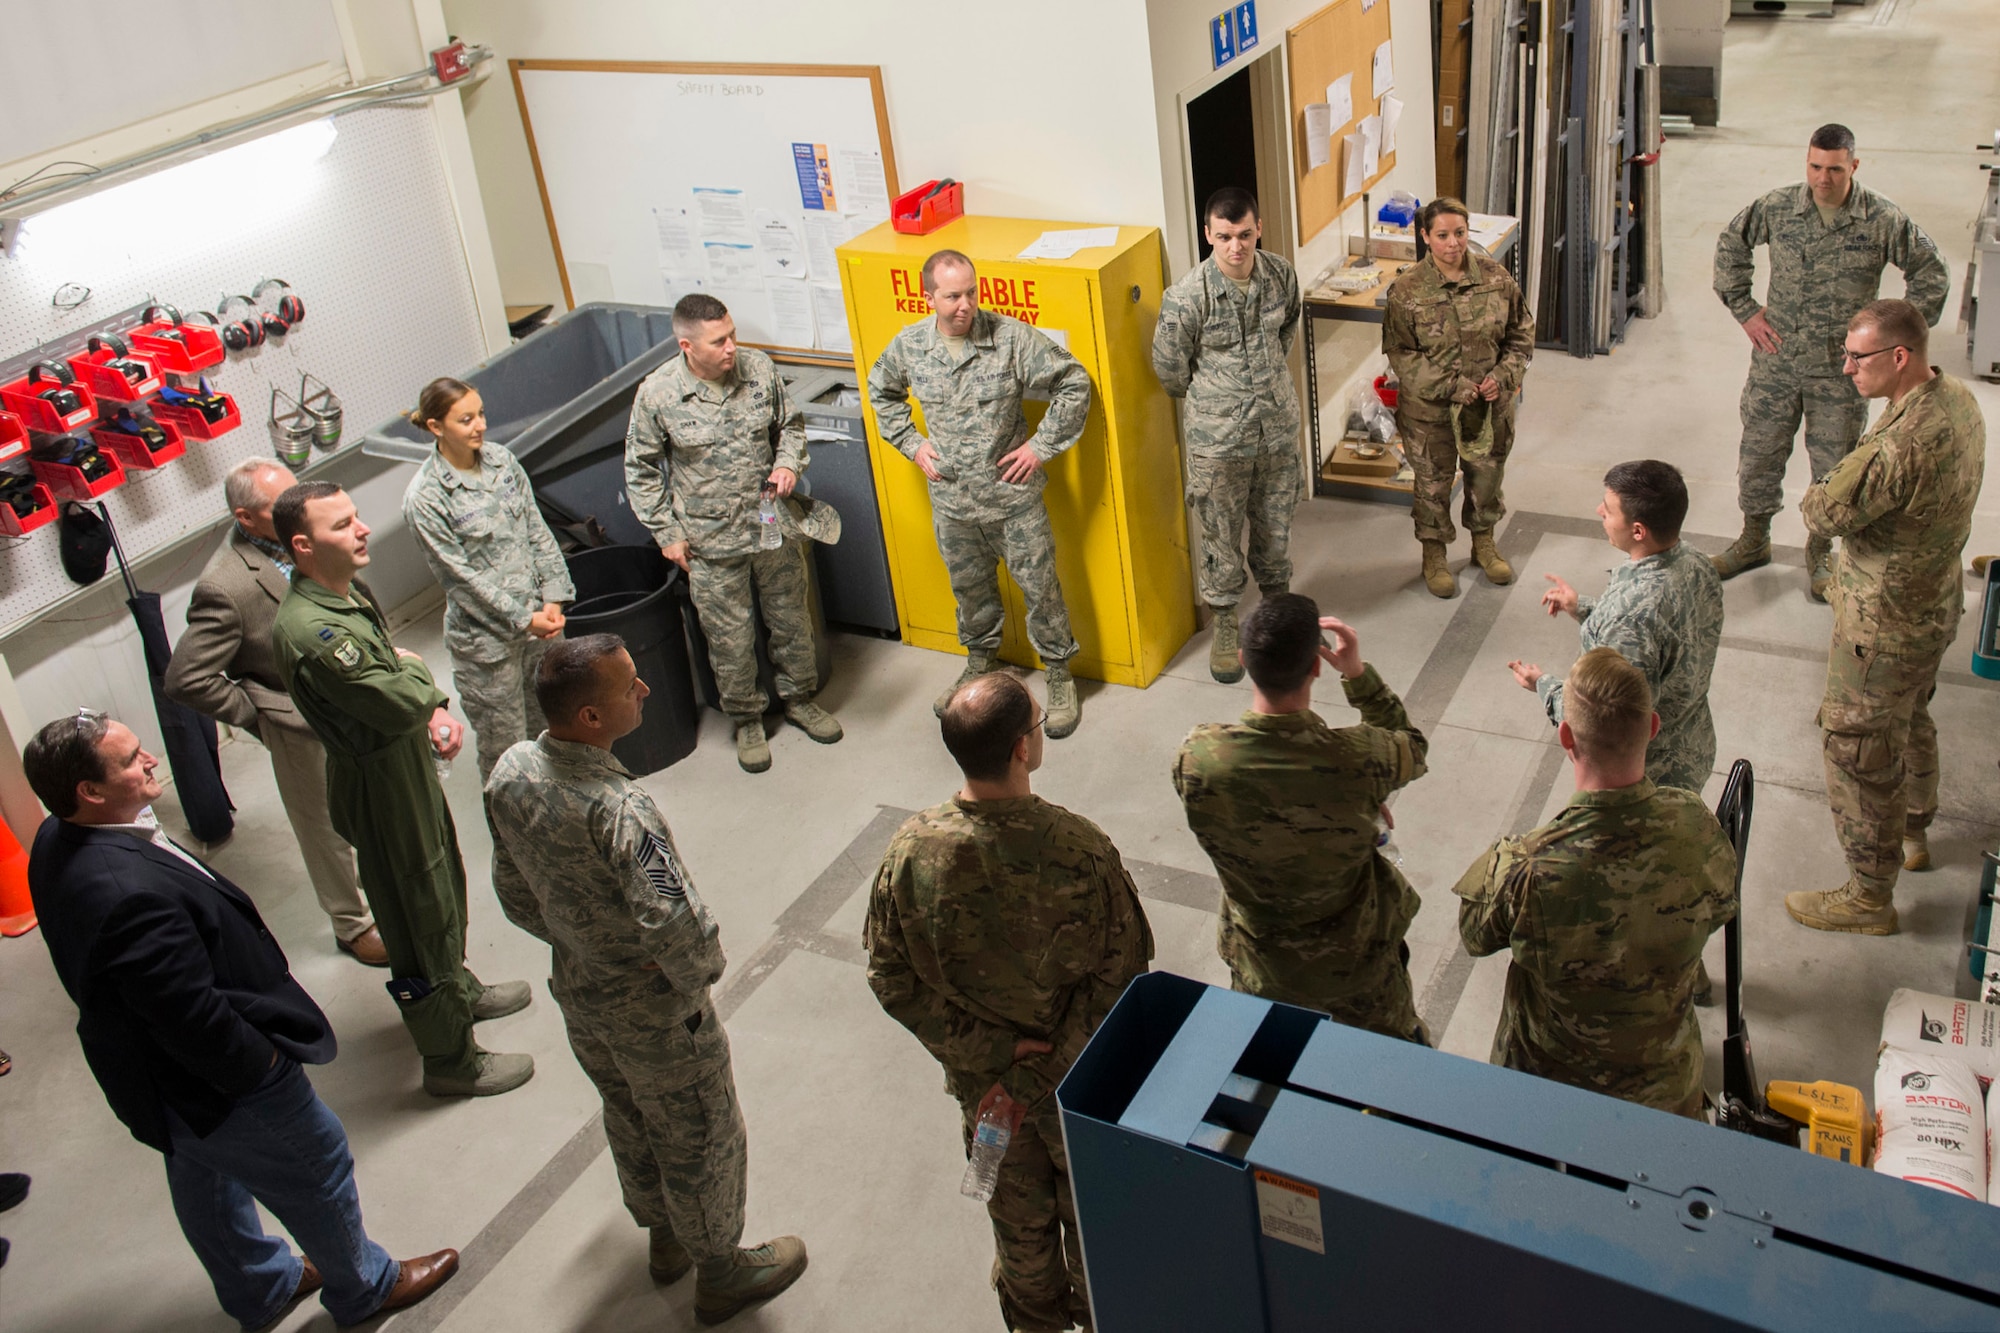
1001	929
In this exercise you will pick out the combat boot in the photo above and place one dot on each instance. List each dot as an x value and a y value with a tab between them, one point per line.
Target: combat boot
1819	567
1748	551
753	751
1489	558
1064	709
508	997
666	1258
976	665
815	721
1849	908
727	1286
1223	662
1917	850
492	1074
1437	571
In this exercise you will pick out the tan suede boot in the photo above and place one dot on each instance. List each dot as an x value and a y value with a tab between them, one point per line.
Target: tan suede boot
1223	661
1849	908
1917	850
976	665
1489	559
1748	551
1437	571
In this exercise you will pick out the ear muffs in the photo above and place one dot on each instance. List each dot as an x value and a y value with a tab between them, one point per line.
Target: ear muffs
59	396
242	334
162	314
290	309
120	360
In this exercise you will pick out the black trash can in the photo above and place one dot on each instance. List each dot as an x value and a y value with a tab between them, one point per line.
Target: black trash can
633	592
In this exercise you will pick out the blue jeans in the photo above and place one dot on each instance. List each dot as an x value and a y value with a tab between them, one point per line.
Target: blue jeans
283	1148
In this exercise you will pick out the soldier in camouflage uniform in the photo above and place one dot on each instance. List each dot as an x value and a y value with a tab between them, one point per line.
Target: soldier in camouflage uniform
969	369
1606	908
1662	611
1225	330
1830	239
1459	334
1287	808
713	432
584	861
474	517
382	720
1902	505
1001	929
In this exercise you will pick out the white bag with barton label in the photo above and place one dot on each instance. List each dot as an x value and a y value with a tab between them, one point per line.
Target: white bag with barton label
1928	1026
1930	1123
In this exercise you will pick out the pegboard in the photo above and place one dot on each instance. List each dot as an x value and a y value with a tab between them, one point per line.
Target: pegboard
368	238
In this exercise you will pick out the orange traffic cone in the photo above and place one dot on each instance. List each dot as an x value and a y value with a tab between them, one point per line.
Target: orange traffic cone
17	908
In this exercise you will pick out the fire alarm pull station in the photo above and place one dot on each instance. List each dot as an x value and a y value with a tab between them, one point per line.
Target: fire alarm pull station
451	62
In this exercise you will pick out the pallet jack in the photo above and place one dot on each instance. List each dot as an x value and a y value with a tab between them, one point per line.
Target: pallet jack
1744	1107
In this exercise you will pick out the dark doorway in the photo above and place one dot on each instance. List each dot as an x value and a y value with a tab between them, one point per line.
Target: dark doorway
1222	143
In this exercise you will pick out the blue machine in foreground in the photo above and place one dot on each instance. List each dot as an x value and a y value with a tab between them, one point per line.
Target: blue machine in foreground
1241	1165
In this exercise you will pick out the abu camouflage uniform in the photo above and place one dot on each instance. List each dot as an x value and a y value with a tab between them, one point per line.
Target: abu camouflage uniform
489	547
1223	349
697	458
972	415
1820	276
1664	614
1606	908
584	860
989	922
372	711
1286	806
1442	338
1902	504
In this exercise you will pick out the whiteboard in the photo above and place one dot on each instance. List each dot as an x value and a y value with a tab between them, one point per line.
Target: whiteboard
736	180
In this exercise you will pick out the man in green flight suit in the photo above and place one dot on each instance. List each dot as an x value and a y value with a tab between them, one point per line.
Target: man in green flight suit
380	716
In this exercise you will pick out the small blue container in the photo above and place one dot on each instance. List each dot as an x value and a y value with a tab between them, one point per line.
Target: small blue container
1986	648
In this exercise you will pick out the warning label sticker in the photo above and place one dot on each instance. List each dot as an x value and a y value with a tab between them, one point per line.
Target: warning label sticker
1289	1212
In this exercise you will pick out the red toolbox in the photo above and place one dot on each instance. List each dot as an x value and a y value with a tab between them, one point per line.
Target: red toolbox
175	405
114	371
928	207
176	347
49	398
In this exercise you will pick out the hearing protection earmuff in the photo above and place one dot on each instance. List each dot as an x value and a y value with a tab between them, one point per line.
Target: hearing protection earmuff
135	372
59	396
242	334
290	309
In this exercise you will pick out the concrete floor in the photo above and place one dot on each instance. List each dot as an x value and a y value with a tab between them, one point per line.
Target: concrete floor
853	1142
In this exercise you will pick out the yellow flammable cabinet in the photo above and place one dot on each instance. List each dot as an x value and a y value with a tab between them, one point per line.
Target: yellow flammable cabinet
1114	497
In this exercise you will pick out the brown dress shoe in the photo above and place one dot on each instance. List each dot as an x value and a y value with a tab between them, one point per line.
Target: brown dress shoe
367	948
418	1278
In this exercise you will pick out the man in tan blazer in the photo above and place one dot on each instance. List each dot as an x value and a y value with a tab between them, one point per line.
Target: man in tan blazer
223	667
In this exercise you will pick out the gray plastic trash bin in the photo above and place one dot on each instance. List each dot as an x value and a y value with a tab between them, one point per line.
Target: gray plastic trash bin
704	674
632	592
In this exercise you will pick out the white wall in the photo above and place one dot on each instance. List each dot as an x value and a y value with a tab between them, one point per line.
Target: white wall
1042	107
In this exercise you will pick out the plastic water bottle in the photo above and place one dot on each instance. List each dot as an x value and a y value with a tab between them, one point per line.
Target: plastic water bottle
442	764
1385	843
989	1144
769	539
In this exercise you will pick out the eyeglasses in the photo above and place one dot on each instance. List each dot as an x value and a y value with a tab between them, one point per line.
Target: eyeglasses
86	718
1858	357
1039	723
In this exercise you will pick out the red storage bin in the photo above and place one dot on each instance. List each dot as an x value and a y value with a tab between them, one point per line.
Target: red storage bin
131	450
920	211
1387	392
101	367
68	483
24	399
192	423
13	525
13	437
177	348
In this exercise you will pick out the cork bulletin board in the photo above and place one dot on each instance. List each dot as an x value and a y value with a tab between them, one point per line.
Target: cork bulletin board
1339	40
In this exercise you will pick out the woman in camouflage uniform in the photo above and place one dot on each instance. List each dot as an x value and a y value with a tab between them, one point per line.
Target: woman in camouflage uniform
474	516
1458	334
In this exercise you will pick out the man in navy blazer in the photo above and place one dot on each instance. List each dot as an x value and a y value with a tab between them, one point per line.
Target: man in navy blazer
196	1031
